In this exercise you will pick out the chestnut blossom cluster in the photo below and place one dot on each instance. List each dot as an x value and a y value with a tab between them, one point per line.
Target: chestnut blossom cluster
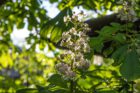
75	40
127	12
80	62
65	69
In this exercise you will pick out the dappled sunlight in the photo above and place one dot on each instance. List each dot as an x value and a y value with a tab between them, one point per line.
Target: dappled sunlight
69	46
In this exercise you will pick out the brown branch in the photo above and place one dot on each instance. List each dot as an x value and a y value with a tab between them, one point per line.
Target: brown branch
98	23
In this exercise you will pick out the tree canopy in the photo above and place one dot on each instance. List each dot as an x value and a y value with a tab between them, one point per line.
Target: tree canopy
89	55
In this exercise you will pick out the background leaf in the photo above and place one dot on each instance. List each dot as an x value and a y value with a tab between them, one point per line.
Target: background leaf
130	69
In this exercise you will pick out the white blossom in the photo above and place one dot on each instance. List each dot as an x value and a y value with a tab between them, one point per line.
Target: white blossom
127	13
83	64
70	74
76	41
67	18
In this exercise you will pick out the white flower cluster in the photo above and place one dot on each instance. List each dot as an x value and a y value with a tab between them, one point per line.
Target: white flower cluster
65	69
80	62
76	41
127	12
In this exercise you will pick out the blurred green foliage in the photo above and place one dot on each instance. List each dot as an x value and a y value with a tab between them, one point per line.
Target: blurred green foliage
28	71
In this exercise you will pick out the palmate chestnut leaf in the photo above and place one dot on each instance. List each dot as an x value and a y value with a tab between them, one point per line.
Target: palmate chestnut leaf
130	69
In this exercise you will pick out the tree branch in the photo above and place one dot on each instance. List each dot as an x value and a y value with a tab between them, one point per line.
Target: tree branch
98	23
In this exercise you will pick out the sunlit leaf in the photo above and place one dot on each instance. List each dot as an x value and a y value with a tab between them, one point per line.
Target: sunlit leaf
6	60
108	91
56	34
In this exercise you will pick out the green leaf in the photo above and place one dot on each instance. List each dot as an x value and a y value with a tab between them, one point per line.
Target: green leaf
84	83
55	26
20	25
47	29
120	54
107	31
116	25
120	38
130	69
108	51
56	34
61	91
57	80
34	90
27	90
43	89
138	36
108	91
89	55
96	43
